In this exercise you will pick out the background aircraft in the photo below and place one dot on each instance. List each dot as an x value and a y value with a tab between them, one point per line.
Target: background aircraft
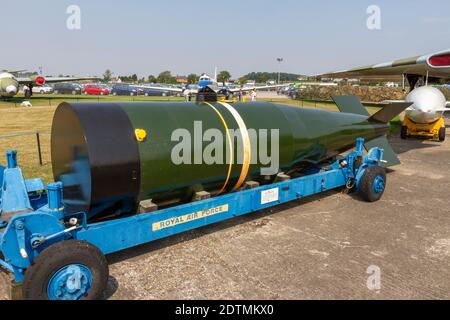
207	81
9	84
425	116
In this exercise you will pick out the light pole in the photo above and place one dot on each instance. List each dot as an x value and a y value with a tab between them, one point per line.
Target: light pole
280	60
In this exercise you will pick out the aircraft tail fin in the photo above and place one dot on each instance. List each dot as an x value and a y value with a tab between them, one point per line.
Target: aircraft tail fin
350	104
385	115
390	157
389	112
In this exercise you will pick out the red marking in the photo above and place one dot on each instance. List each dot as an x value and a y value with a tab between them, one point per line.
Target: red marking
440	61
40	81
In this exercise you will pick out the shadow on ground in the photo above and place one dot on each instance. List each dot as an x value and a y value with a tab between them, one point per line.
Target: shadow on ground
203	231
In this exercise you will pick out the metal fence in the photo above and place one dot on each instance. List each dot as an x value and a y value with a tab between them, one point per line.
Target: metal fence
55	101
20	143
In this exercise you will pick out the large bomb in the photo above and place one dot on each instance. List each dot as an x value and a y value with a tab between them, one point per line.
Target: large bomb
112	156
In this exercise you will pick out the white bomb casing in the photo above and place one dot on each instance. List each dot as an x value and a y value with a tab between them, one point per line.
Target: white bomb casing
427	105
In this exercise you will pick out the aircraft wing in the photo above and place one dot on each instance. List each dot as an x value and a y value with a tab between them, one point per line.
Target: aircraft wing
317	84
13	71
436	65
260	87
55	79
448	104
169	89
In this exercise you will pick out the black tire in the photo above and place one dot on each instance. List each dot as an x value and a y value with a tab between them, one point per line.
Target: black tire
366	188
404	132
442	133
59	255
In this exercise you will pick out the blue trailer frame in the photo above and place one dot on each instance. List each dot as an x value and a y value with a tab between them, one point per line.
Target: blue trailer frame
35	219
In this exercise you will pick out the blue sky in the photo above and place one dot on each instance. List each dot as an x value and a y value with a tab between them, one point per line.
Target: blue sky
146	37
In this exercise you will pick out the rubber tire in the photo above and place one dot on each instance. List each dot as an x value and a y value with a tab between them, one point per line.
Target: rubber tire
59	255
442	133
404	132
366	184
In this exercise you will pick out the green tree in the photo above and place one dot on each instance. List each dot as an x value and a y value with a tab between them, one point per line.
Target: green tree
166	77
134	78
243	80
261	78
223	76
107	75
193	78
152	79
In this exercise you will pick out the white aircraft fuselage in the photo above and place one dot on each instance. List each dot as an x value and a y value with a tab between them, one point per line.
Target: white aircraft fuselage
9	86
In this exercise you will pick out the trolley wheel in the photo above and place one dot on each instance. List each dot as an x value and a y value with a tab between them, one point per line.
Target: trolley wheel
404	132
442	134
68	270
373	184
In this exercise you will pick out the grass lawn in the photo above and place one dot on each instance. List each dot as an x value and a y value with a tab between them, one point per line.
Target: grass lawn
18	120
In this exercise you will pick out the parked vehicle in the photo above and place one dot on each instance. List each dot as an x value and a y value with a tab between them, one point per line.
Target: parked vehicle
43	89
67	88
149	92
124	90
96	89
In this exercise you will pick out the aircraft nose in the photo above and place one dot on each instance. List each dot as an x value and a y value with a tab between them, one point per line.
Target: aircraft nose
12	90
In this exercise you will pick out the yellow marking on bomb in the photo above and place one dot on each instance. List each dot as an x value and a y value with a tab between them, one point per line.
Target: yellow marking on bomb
230	146
172	222
140	134
246	161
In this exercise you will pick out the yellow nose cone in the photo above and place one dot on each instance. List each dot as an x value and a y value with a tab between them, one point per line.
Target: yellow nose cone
141	135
